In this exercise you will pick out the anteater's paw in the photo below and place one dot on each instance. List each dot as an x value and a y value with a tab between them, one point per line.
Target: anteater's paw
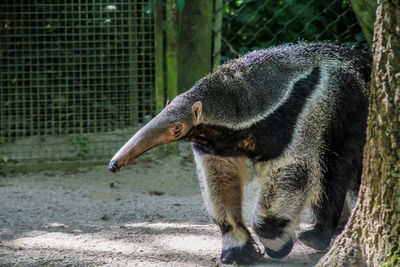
280	253
247	254
316	239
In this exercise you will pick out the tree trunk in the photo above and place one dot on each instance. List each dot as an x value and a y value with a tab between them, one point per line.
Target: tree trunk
194	42
372	235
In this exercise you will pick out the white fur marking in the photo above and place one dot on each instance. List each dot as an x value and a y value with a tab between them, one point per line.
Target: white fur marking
249	122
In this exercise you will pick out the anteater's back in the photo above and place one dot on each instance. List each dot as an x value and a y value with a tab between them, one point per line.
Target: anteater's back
260	81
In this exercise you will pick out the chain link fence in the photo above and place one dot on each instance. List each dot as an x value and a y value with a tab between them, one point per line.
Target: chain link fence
76	76
251	24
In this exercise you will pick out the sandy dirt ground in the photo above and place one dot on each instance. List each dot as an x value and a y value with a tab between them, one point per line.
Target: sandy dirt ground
150	214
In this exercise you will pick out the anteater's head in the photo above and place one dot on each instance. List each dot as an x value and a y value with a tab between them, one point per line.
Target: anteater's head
173	123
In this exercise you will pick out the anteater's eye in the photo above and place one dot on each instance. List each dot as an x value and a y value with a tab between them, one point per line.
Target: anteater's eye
177	128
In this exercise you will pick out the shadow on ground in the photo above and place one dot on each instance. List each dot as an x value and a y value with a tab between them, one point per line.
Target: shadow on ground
149	215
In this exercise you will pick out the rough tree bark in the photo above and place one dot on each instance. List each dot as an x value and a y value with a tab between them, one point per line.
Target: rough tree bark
371	237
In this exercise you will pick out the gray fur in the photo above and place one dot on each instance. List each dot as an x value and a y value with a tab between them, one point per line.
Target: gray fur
298	112
254	85
245	91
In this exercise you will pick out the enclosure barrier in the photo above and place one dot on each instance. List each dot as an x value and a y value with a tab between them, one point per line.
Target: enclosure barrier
79	77
76	77
249	25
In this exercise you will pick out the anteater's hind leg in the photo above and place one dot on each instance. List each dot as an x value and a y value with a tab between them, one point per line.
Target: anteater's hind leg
221	181
340	174
327	214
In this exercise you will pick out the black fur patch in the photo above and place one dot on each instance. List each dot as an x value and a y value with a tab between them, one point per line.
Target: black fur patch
343	141
267	138
271	227
284	251
315	239
247	254
225	228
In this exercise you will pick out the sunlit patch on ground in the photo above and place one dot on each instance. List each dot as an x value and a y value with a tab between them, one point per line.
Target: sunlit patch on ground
66	241
80	219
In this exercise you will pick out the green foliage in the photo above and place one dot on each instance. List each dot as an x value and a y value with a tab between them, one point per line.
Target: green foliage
251	24
365	11
393	261
77	145
180	4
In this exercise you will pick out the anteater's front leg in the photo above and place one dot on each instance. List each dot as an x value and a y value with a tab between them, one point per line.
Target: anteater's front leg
282	196
221	181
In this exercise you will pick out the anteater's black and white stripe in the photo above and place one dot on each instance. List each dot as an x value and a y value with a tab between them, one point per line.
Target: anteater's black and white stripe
299	113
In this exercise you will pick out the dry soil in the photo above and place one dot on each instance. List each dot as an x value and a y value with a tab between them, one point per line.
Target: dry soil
150	214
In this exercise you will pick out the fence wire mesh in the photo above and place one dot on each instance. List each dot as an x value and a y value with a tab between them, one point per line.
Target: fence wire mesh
78	76
251	24
72	72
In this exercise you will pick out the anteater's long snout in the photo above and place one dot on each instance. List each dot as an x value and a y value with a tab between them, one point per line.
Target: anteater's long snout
113	166
151	135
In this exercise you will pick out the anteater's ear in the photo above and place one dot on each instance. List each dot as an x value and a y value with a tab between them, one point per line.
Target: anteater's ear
197	115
